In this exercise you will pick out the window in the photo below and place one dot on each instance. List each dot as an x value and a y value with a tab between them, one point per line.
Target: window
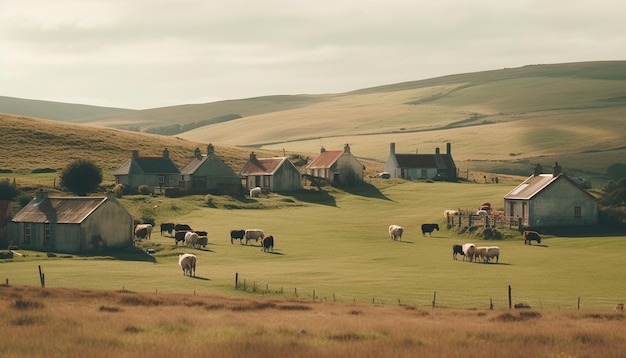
577	212
27	234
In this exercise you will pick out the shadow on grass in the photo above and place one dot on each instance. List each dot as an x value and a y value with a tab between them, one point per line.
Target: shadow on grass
129	254
584	231
313	196
365	189
275	253
201	278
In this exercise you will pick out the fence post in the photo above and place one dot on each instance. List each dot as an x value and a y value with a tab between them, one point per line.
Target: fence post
42	278
579	303
236	280
510	297
434	298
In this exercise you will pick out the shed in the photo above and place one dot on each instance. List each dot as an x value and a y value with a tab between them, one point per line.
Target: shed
273	174
209	174
551	200
337	167
71	224
157	173
435	166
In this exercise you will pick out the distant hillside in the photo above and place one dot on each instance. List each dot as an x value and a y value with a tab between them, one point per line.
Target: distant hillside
65	112
502	121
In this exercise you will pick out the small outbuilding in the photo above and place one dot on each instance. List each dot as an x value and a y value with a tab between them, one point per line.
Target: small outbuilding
550	200
271	174
71	224
209	174
437	166
158	173
336	167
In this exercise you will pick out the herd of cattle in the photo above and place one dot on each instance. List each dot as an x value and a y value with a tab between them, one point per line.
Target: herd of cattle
476	253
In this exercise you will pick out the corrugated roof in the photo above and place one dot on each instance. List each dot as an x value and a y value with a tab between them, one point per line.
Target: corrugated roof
147	165
326	159
534	184
417	160
61	210
193	165
261	166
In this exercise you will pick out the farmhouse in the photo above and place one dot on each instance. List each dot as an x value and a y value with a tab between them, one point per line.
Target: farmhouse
157	173
272	174
209	174
336	167
71	224
421	166
551	200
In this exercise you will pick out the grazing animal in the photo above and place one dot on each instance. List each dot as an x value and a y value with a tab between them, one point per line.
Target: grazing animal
529	236
141	234
191	238
480	252
468	250
253	234
202	241
180	236
492	251
148	228
619	307
182	227
482	212
395	232
188	263
169	227
448	213
267	243
255	192
237	235
429	228
457	249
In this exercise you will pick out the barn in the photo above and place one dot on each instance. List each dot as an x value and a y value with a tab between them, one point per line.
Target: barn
410	166
336	167
552	199
158	173
272	174
209	174
71	224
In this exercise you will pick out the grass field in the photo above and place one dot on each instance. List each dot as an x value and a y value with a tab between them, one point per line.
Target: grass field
334	246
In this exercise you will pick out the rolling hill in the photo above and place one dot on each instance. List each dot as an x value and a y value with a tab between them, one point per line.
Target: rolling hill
501	121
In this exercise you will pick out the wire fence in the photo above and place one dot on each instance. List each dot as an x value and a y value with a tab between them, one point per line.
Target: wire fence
509	299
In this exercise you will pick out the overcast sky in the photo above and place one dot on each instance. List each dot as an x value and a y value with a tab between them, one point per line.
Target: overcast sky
153	53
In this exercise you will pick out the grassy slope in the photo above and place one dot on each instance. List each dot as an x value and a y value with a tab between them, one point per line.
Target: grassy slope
339	247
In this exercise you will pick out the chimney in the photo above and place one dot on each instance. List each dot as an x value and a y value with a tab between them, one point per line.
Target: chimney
448	148
197	154
322	150
252	156
437	151
210	149
392	148
346	148
556	169
166	153
135	154
537	170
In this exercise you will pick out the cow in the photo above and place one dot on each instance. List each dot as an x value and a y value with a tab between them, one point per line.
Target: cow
468	250
529	236
148	228
255	192
188	263
457	249
141	234
191	238
395	232
253	234
619	307
448	213
429	228
202	241
237	235
182	227
482	212
267	243
180	236
492	251
169	227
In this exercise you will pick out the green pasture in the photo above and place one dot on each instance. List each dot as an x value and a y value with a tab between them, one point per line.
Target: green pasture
334	245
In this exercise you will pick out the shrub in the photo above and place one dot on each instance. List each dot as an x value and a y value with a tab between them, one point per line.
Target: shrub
81	177
144	189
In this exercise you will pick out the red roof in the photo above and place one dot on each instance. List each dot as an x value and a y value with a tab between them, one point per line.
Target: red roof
326	159
262	166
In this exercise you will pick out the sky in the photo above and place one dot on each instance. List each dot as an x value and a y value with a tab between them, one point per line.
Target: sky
141	54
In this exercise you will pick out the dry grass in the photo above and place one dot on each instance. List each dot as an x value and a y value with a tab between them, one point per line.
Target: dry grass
73	323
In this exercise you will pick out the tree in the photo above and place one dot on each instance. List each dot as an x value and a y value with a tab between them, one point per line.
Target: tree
8	191
81	177
616	171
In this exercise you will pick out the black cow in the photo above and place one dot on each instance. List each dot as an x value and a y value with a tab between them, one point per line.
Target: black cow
169	227
141	234
180	236
457	249
182	227
429	228
267	243
529	236
237	234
